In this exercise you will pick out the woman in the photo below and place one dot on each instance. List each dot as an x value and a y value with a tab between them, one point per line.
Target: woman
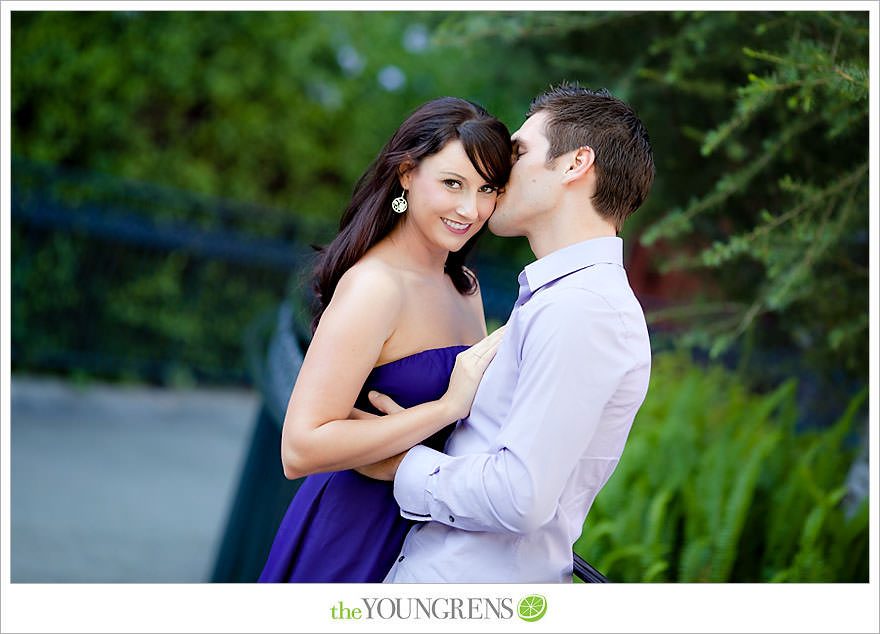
397	307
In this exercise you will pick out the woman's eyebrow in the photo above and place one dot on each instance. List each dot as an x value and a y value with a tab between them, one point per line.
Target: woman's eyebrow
462	178
451	173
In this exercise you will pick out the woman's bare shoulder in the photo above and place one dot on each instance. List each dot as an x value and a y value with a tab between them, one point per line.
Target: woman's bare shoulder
363	313
370	292
371	275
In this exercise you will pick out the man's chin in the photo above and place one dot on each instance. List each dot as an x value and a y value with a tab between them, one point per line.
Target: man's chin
495	229
498	227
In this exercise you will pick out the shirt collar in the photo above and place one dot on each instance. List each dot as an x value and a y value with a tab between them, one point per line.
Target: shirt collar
570	259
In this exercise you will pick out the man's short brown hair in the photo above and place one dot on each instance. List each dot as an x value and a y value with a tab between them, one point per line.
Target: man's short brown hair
578	117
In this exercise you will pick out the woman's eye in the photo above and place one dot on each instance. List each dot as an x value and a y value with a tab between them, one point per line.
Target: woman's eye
451	182
488	189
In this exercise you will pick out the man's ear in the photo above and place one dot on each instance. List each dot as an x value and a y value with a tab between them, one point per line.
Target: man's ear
581	161
405	173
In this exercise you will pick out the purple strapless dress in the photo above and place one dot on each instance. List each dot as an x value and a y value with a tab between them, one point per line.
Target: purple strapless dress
345	527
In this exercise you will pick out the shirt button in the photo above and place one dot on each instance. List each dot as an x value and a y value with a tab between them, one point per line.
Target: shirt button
401	559
451	519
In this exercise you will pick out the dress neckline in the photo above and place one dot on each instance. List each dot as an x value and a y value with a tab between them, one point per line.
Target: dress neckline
416	354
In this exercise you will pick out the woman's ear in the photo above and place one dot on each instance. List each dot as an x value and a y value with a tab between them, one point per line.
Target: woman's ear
405	173
582	160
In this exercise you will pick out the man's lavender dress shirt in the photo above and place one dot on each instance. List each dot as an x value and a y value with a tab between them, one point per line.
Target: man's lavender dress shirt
549	421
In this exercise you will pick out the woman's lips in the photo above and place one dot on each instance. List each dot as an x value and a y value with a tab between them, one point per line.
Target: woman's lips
456	227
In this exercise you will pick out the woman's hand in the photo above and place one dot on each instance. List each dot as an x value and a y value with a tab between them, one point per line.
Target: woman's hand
469	367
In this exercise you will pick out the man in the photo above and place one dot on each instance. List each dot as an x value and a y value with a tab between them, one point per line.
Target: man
549	421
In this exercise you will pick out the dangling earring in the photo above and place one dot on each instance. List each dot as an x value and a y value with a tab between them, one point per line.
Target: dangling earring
399	205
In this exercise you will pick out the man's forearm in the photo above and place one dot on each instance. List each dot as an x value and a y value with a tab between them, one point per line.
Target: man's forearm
469	492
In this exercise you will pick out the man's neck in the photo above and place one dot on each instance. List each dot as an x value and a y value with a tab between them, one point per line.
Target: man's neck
563	230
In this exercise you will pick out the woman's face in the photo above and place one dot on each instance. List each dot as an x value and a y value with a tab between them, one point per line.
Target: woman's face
448	200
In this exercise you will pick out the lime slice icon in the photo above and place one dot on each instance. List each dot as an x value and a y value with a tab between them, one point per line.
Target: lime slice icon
532	607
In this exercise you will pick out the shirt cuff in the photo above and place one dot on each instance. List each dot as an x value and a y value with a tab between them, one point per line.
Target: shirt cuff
411	488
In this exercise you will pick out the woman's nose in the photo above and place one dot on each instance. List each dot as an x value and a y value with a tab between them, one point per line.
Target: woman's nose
468	209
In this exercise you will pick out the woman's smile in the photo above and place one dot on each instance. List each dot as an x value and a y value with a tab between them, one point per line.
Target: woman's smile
456	227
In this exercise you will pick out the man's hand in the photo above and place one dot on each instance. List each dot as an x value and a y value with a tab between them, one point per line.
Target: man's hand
384	469
359	414
383	402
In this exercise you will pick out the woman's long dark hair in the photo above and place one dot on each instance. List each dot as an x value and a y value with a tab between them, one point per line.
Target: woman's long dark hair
369	218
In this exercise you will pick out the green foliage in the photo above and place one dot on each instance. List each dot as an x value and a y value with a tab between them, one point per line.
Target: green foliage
810	100
716	485
86	305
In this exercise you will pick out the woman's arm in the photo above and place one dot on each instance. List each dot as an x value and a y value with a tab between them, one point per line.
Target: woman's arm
319	433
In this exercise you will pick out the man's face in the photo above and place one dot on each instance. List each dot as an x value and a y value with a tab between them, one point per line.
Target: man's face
533	187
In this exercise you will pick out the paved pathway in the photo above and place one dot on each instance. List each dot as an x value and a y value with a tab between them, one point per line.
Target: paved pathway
122	484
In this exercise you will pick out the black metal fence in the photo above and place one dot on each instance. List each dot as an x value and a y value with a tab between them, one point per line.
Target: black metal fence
127	279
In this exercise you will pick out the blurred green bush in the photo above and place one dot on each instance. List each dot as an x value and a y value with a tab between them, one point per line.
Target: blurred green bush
93	308
716	485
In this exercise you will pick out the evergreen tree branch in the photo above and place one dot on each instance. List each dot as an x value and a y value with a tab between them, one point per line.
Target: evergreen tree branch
679	222
736	245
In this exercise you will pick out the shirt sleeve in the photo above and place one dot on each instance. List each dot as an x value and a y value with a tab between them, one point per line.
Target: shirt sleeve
573	357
